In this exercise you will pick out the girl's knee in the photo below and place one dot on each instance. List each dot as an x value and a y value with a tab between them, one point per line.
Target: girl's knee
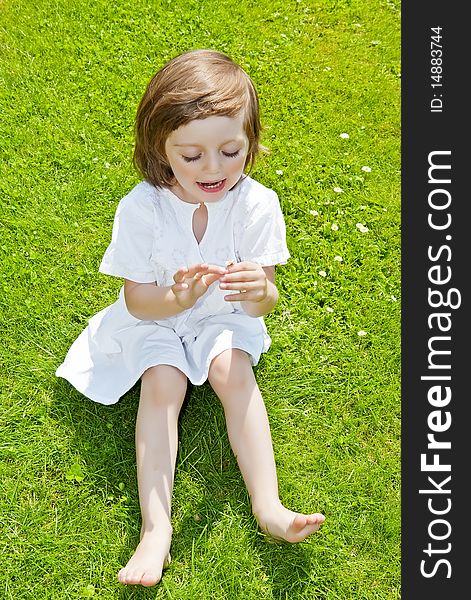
164	382
231	367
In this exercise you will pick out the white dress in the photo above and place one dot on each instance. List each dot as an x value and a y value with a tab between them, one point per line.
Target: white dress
152	238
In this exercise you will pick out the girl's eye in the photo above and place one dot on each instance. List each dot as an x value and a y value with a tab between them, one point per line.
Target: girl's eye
194	158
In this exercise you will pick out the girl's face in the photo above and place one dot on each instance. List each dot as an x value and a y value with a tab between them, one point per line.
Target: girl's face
207	157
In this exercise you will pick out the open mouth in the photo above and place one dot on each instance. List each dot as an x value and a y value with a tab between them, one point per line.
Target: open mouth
214	186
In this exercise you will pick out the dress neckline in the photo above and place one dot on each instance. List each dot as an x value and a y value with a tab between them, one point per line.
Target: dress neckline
192	206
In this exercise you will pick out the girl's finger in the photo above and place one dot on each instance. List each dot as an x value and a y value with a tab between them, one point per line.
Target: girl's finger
194	269
238	297
238	267
180	275
216	270
239	286
241	276
211	278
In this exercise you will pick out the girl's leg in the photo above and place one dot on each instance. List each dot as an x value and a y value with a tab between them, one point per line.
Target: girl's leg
232	378
162	393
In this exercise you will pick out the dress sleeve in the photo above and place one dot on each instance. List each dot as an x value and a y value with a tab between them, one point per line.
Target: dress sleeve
130	251
263	233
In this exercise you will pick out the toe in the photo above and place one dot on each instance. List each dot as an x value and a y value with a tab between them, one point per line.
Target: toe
299	523
123	575
134	577
316	519
149	578
303	526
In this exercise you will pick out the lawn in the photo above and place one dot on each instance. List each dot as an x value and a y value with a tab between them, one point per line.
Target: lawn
328	76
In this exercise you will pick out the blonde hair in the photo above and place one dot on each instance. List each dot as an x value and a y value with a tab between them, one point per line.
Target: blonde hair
193	85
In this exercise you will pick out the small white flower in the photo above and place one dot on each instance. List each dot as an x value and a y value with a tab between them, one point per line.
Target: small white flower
393	298
334	227
362	207
338	258
361	333
338	190
366	169
322	273
279	172
362	228
107	165
345	136
95	159
314	213
327	69
329	309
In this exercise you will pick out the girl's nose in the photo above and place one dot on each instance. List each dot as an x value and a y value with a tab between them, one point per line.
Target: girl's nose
213	162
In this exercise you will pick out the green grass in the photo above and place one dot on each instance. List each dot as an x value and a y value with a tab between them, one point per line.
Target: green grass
71	75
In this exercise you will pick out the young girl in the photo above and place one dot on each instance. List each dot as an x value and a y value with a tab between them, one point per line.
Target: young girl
197	243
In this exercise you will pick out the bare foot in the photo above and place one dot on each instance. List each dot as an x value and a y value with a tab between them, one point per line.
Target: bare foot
146	564
286	525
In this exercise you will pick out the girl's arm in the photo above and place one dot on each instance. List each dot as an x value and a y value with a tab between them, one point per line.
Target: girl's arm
150	302
258	293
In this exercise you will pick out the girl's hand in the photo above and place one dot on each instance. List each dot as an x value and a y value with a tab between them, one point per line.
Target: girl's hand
248	279
192	282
